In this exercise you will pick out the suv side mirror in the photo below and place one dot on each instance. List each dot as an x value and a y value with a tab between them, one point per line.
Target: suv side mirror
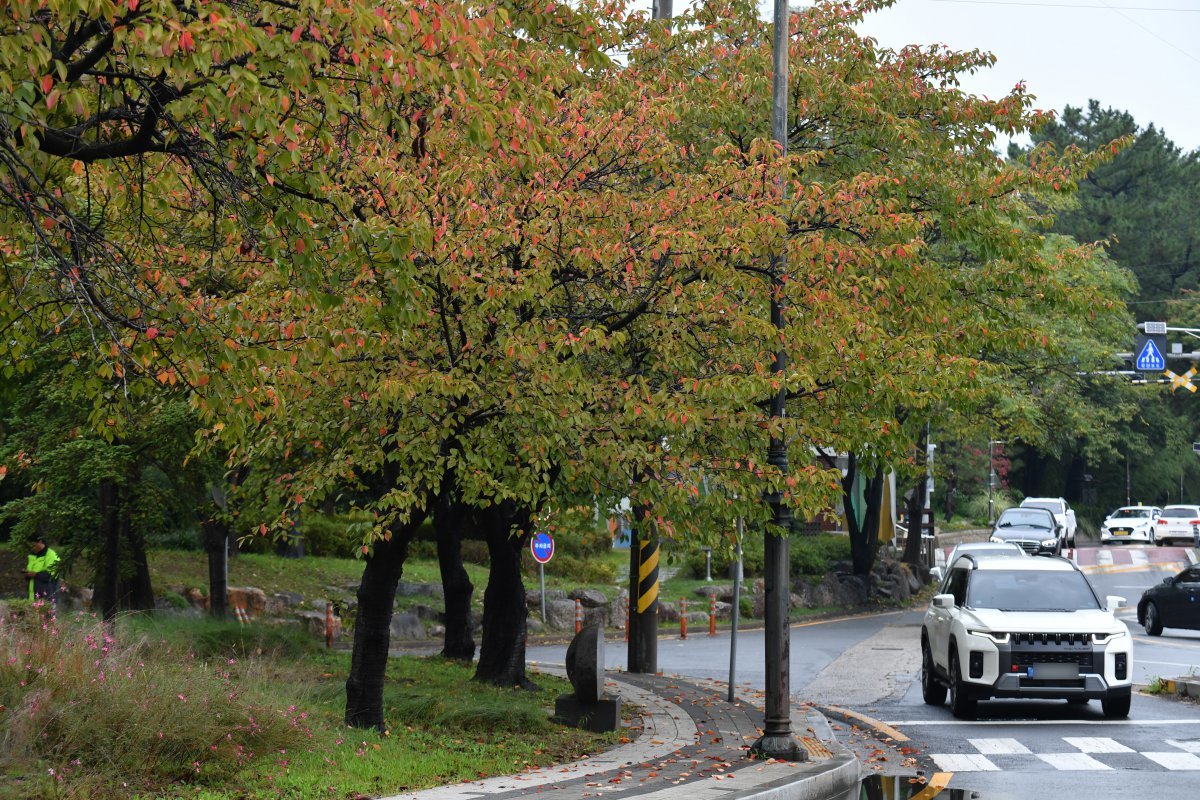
1112	602
943	601
1169	580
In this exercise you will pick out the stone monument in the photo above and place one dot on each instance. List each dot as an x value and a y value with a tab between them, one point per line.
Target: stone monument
588	707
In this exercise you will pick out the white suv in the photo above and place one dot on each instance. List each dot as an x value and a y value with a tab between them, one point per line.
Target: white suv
1013	626
1064	516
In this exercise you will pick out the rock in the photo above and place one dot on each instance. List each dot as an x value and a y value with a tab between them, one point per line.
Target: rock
427	613
589	598
406	589
560	614
533	597
248	598
279	603
721	591
534	624
194	596
437	631
314	623
407	626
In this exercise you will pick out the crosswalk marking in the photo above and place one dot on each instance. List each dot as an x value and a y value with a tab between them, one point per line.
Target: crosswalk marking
1175	760
1191	746
999	747
1104	558
1097	744
1073	761
963	762
1139	557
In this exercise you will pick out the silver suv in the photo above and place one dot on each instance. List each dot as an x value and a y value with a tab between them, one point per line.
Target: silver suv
1013	626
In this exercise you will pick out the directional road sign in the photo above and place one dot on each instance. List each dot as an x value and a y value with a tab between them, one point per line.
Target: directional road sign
542	547
1150	356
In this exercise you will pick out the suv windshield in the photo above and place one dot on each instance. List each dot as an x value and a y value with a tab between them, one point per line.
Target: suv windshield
1049	505
1029	590
1027	518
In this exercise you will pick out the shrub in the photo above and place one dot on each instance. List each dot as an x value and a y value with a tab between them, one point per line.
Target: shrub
815	555
337	536
89	708
692	564
576	568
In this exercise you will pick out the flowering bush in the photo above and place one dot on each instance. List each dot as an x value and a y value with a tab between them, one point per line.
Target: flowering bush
97	712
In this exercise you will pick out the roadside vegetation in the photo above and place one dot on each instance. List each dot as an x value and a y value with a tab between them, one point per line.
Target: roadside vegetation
147	708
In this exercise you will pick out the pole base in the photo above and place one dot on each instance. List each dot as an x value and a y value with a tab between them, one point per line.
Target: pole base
781	747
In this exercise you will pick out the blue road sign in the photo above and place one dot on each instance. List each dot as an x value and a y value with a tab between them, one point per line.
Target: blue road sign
1150	358
542	547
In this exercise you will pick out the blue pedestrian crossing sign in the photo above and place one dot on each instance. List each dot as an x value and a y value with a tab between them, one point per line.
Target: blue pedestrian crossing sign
1150	357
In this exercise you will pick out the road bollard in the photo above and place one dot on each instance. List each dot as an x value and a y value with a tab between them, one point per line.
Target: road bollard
683	618
578	616
712	615
328	624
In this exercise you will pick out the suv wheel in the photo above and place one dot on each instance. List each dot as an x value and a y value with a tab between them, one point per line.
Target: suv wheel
932	692
1153	623
1115	707
961	705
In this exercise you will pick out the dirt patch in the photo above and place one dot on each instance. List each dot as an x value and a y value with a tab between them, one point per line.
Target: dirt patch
12	582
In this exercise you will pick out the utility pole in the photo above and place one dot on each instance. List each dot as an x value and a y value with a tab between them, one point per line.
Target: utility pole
642	652
777	740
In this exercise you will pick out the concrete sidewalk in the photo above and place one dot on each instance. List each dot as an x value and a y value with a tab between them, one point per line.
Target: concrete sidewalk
692	745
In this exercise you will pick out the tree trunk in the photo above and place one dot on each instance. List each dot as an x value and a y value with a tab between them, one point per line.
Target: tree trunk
137	591
449	518
110	563
864	537
916	524
502	652
216	534
372	628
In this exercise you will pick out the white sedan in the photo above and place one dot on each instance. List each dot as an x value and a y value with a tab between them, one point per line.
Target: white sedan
1130	524
1178	523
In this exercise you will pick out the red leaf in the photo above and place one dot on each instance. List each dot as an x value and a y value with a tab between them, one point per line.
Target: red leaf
47	83
151	332
297	33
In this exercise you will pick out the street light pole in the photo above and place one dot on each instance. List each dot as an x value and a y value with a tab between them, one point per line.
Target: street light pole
777	740
991	478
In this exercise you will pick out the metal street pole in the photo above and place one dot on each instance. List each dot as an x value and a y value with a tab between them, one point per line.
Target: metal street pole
777	740
737	601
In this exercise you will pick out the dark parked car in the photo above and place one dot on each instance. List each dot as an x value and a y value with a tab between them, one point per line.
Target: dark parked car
1174	603
1034	530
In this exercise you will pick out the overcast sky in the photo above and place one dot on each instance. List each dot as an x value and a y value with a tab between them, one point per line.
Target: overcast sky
1140	56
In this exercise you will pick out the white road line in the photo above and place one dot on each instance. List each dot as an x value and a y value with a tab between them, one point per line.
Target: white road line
1192	746
1166	663
1104	558
998	747
1176	761
964	762
1097	744
1073	761
1139	557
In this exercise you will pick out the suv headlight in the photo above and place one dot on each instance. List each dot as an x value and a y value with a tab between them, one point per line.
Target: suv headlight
1101	638
998	638
1049	542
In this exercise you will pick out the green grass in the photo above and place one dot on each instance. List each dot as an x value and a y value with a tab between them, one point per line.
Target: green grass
209	710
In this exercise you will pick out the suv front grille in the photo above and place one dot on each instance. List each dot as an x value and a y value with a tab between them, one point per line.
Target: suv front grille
1052	638
1028	658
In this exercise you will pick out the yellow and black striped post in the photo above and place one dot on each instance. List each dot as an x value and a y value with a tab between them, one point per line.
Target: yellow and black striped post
643	593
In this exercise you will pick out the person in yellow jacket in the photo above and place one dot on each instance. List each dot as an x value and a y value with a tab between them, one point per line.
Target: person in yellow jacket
41	569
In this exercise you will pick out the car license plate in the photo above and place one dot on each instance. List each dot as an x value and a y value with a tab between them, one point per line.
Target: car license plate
1120	532
1053	672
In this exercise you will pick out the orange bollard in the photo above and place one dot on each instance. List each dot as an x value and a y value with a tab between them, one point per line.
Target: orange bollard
683	618
578	616
328	624
712	615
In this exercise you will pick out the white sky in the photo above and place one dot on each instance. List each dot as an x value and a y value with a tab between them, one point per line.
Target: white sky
1139	56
